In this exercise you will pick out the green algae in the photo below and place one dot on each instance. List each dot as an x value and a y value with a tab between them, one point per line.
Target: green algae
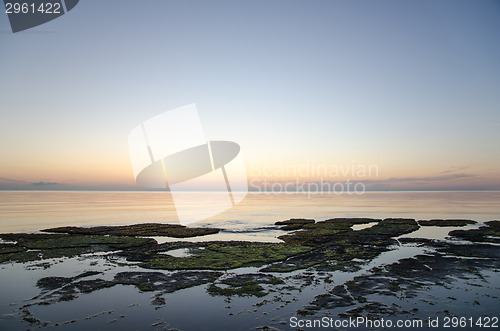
445	222
336	245
226	255
316	233
72	241
249	288
490	232
339	231
144	230
294	223
391	227
30	247
144	287
244	285
55	289
405	279
328	245
22	256
9	248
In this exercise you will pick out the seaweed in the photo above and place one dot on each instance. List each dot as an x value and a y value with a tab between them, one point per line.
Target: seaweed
224	256
144	230
294	223
445	222
490	232
244	285
36	246
55	289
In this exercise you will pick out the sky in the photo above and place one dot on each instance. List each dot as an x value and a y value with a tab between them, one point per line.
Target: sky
409	88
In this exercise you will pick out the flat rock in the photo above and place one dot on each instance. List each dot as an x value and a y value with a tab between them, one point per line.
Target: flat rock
144	230
445	222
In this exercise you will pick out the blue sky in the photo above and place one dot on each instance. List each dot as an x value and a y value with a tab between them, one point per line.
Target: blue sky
410	86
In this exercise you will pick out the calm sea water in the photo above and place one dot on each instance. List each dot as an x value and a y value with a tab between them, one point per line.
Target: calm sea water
124	307
27	211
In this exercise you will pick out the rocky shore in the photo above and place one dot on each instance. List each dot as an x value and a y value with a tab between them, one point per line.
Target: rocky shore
311	254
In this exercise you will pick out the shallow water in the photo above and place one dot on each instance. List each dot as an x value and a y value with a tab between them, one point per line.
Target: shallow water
125	307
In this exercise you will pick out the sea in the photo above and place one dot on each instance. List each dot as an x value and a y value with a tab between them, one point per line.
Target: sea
126	308
251	219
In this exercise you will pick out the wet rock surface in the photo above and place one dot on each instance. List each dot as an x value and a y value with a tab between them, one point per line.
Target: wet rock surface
338	297
244	285
294	223
490	232
445	222
410	278
55	289
144	230
38	246
310	257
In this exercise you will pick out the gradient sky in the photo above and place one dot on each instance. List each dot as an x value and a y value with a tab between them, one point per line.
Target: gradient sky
410	86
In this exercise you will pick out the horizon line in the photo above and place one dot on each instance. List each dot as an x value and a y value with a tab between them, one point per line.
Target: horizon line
253	192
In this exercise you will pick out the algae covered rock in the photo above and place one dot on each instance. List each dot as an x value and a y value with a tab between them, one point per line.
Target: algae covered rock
490	232
445	222
144	230
294	223
36	246
223	255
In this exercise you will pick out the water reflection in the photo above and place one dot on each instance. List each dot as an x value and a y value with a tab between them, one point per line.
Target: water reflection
24	211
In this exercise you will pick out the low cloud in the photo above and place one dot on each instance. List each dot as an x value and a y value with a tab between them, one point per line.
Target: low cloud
462	181
15	184
44	184
431	178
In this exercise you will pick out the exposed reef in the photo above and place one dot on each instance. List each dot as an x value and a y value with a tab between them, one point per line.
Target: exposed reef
335	245
328	245
294	223
318	249
244	285
370	295
221	255
445	222
38	246
56	289
490	232
143	230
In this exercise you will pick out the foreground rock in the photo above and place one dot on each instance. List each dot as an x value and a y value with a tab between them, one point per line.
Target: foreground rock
244	285
29	247
490	232
318	248
55	289
327	245
381	292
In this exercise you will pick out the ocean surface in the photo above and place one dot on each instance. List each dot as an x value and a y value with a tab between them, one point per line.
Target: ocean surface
31	211
126	308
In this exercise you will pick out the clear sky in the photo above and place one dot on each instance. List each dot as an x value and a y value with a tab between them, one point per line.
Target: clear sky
412	87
